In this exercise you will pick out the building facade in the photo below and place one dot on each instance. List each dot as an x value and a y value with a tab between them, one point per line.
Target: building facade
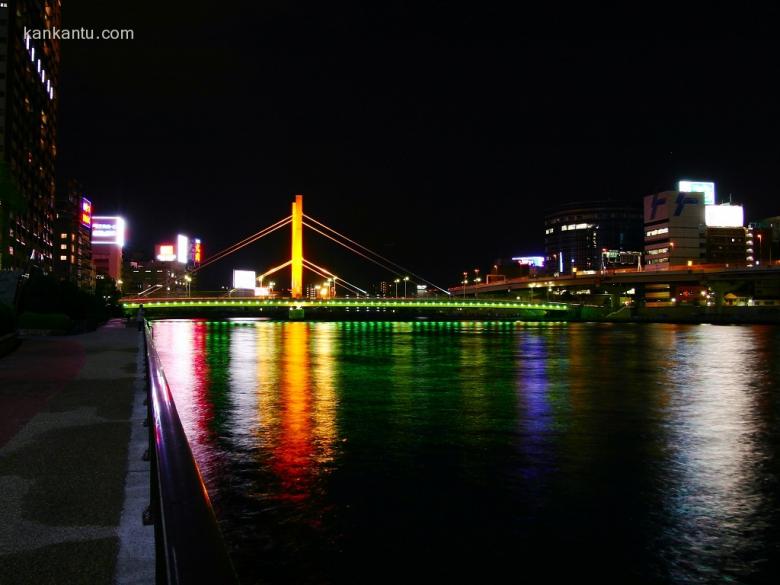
73	237
727	246
108	241
577	234
765	240
29	86
674	229
681	229
169	277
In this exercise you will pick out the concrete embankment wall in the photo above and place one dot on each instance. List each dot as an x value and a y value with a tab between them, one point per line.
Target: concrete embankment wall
684	314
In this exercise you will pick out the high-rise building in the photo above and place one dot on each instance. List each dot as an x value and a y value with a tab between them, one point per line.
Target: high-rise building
576	234
29	86
73	238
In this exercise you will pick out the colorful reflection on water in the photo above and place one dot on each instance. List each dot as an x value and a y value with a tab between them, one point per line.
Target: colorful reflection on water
461	452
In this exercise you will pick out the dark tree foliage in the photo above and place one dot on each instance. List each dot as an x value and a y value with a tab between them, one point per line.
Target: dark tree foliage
46	294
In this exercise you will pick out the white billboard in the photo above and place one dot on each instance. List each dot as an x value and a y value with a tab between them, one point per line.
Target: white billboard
537	261
705	187
244	279
182	249
724	216
108	230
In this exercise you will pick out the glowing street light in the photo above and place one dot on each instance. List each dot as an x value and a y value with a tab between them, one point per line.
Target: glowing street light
188	280
396	281
465	282
406	279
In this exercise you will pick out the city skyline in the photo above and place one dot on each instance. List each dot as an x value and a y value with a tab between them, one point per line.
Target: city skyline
457	132
389	292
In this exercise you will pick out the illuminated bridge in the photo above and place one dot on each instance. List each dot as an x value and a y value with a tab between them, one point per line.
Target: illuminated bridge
355	304
351	308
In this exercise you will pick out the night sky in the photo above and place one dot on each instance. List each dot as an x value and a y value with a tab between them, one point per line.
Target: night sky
435	135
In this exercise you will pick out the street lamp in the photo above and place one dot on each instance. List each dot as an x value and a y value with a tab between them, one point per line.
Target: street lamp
760	249
188	280
406	279
396	281
465	282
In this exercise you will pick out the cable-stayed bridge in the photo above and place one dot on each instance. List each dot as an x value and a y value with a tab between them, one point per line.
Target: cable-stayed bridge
354	301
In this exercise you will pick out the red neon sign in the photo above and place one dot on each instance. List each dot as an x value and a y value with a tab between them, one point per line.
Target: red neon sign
86	212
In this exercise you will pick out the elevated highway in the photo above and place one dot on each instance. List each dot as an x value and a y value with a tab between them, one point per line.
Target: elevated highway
703	275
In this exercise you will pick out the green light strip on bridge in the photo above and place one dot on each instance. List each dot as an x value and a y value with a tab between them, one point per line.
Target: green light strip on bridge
344	304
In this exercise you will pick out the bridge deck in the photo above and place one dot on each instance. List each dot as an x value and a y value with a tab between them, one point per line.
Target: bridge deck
130	303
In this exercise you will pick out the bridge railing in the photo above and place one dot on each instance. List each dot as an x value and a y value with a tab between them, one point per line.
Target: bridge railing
188	541
433	300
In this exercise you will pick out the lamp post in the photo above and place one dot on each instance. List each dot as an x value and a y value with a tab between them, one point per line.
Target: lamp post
406	279
760	249
465	282
188	280
396	281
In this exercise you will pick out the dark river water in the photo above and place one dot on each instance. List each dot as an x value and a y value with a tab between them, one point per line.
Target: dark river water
485	452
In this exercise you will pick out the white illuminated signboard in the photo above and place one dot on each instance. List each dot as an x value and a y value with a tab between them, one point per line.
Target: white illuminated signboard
530	260
724	216
183	249
705	187
165	253
244	279
108	230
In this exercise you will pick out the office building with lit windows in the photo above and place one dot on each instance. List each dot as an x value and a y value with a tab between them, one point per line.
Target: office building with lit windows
576	235
29	76
73	235
682	229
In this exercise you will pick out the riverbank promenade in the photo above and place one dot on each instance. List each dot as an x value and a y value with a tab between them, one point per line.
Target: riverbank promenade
72	478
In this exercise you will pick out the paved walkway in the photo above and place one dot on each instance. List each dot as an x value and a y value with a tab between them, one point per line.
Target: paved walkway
68	408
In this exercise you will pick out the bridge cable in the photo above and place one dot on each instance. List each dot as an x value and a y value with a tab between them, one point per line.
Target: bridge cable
245	242
349	287
398	266
335	278
351	249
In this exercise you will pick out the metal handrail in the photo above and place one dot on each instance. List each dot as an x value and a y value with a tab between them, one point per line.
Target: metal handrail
189	543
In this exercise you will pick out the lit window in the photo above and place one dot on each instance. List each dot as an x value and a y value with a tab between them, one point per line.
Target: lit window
657	232
63	258
63	236
63	246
